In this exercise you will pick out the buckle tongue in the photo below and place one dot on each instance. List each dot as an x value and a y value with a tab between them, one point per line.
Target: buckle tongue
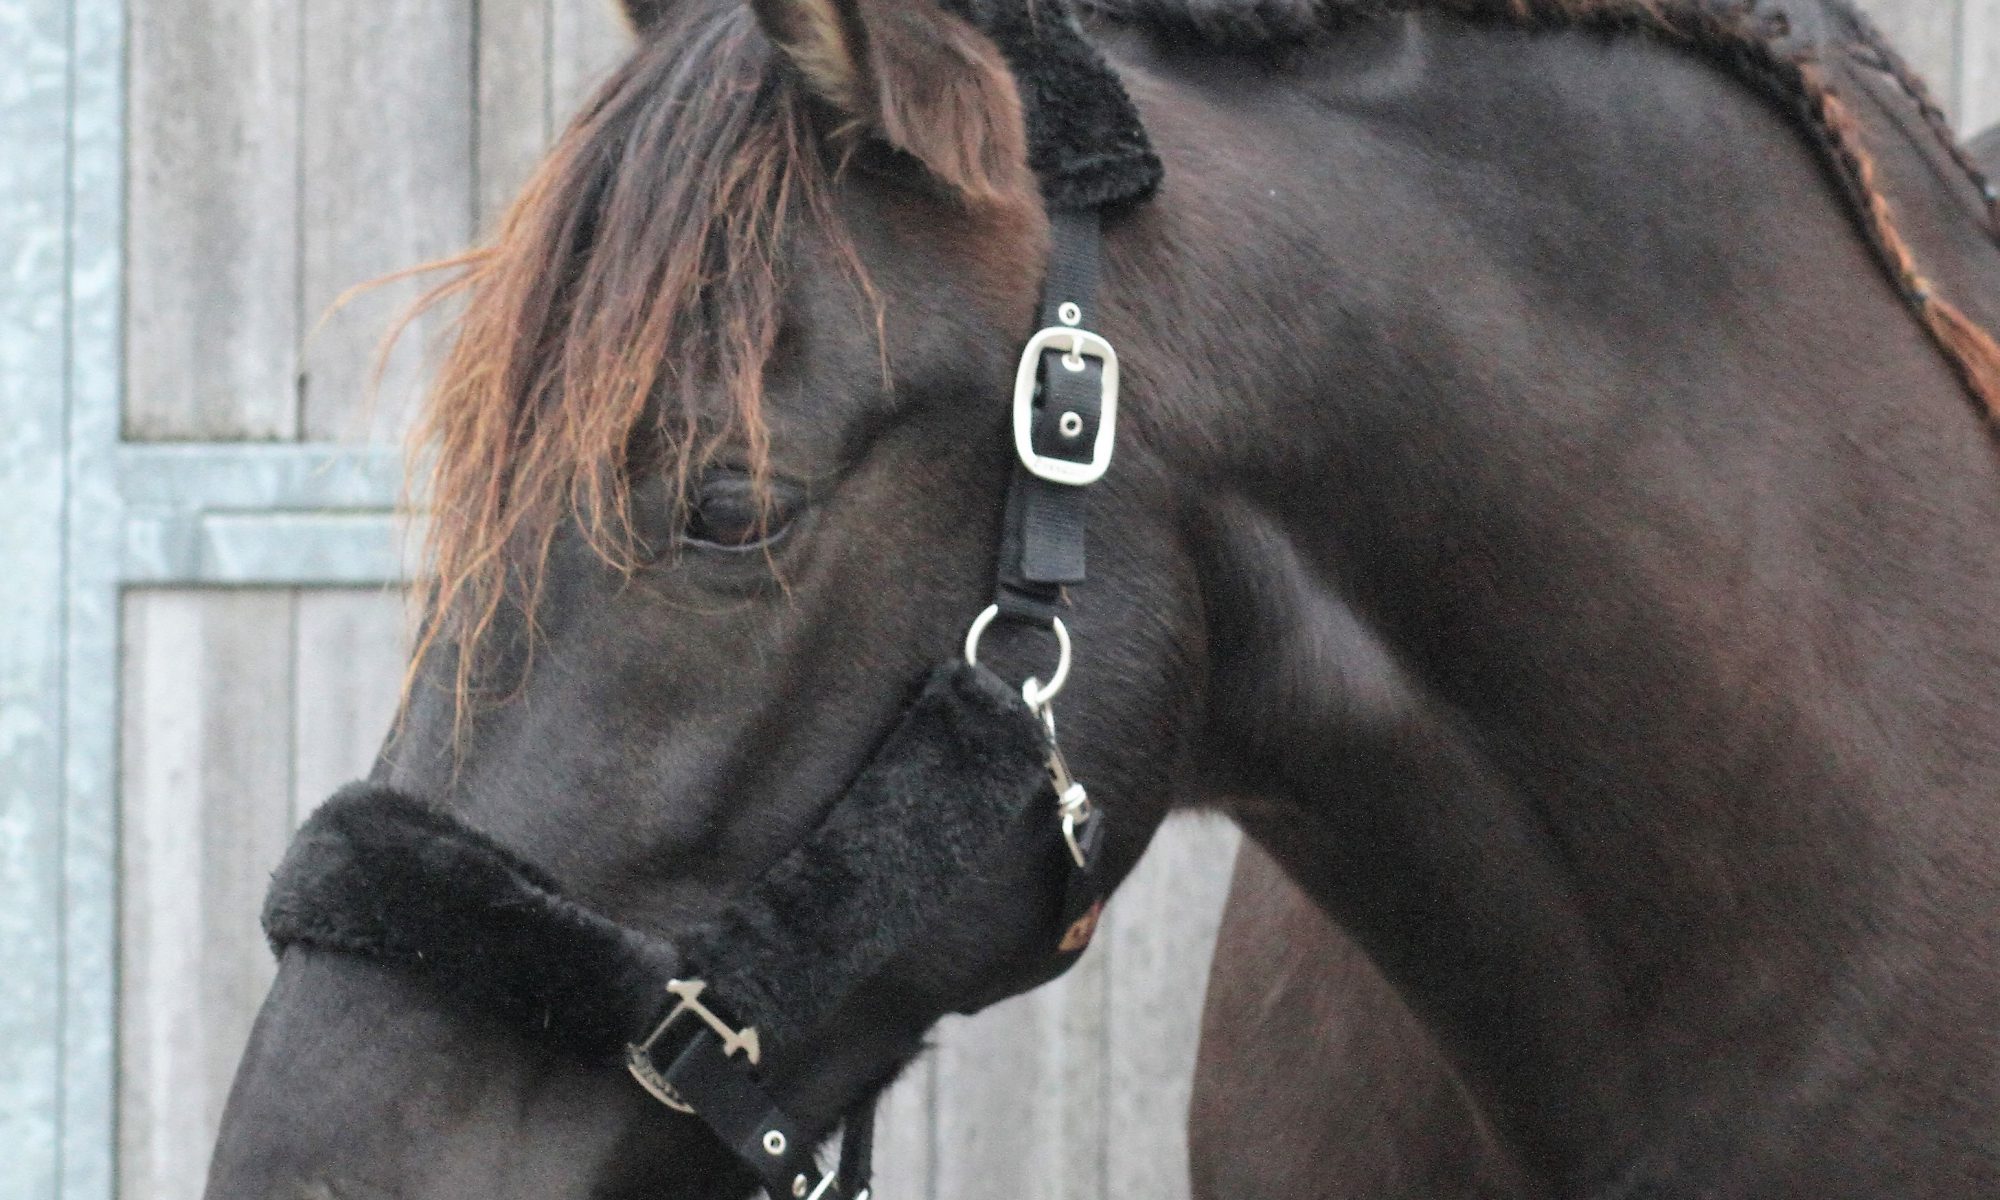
639	1058
1076	345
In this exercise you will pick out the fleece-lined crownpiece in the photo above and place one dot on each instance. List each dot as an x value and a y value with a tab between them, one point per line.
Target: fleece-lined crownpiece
1085	139
955	790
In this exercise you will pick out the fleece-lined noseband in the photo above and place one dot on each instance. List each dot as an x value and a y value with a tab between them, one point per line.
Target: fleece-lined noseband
970	777
960	785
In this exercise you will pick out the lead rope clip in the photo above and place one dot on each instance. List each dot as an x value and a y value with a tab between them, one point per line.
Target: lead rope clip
1072	801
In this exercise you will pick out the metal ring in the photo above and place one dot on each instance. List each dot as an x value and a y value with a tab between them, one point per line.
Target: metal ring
1035	692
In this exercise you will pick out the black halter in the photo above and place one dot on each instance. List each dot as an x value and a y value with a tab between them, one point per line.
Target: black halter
970	776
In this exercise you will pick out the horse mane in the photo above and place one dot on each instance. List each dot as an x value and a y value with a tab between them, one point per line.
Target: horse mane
637	274
1747	38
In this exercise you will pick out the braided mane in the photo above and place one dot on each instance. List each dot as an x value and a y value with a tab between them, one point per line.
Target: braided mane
1749	38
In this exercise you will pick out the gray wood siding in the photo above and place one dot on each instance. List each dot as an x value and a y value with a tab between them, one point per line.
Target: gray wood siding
206	813
201	644
386	182
212	265
281	154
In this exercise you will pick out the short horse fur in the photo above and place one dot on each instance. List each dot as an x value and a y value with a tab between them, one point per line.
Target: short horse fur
1548	516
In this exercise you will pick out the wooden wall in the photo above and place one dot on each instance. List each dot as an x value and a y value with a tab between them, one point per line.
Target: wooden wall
192	182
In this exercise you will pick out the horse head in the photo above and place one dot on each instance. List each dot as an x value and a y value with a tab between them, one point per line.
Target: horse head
720	463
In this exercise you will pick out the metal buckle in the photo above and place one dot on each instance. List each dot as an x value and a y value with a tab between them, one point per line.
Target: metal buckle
639	1058
1076	345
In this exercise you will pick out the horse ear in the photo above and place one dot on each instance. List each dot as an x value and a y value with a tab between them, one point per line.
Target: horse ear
643	15
920	78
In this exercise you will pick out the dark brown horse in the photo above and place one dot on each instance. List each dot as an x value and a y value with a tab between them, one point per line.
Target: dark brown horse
1548	517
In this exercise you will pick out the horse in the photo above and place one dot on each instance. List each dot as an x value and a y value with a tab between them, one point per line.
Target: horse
1553	514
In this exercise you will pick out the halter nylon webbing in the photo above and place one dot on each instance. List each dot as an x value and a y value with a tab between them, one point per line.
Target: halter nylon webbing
1042	544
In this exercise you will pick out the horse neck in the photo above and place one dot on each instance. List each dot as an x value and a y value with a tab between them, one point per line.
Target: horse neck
1603	570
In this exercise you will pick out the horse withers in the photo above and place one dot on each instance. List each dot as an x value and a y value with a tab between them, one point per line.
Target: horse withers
1547	516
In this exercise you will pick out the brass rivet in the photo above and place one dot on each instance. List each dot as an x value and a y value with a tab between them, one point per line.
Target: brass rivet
799	1185
774	1143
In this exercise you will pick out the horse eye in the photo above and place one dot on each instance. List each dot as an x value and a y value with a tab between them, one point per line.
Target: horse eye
726	512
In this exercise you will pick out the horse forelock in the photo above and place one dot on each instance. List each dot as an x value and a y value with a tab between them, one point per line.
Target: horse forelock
621	315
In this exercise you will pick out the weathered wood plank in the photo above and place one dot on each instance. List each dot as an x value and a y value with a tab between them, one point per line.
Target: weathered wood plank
387	184
905	1133
206	814
1161	928
1021	1094
347	673
1927	33
589	39
212	269
516	38
1979	66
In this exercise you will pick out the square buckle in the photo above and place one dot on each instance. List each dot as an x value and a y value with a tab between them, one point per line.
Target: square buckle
1076	345
639	1058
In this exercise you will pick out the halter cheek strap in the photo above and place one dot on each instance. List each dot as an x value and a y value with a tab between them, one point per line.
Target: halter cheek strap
1065	425
1064	422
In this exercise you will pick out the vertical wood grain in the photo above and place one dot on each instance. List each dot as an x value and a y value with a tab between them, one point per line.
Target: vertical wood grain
212	265
589	38
1161	928
387	147
906	1135
1021	1094
1926	32
348	671
1979	66
206	760
514	102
